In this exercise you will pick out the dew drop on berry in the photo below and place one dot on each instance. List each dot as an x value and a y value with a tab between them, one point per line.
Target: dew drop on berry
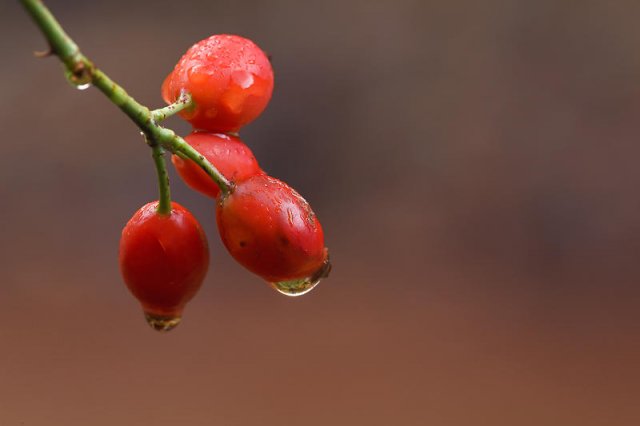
162	323
197	75
243	79
302	286
295	288
83	86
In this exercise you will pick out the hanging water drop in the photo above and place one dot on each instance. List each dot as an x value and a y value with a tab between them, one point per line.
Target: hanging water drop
302	286
80	80
295	288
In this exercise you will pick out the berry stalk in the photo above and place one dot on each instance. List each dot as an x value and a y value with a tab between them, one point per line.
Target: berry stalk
80	70
185	101
164	200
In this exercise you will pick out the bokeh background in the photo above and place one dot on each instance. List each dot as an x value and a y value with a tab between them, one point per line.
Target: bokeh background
475	167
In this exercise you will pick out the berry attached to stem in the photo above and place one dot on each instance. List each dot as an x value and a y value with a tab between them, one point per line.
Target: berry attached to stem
163	259
230	79
272	231
228	153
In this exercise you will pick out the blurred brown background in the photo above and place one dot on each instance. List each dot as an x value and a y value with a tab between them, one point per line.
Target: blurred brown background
474	164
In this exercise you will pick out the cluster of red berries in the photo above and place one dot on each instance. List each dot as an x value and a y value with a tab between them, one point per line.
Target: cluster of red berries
265	224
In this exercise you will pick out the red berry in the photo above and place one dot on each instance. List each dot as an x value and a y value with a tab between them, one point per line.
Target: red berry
163	260
229	78
271	230
228	154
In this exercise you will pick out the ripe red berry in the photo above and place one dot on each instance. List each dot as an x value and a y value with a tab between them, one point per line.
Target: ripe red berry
163	260
272	231
229	78
228	154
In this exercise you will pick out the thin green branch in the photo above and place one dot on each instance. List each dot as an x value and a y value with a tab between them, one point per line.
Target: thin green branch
178	145
59	42
82	71
138	113
164	200
185	101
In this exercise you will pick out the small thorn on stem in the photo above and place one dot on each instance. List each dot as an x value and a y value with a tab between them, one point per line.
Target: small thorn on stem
43	53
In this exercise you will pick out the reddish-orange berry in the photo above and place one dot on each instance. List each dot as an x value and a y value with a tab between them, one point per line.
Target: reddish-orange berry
227	153
229	78
163	260
272	231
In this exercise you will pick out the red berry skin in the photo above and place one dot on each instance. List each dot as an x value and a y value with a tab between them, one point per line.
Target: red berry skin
227	153
271	230
229	78
163	258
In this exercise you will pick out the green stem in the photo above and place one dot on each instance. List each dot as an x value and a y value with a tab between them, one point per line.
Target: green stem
176	144
81	71
138	113
59	42
184	102
183	147
164	200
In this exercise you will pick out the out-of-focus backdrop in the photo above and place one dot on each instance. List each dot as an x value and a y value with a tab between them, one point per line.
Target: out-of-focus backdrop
475	167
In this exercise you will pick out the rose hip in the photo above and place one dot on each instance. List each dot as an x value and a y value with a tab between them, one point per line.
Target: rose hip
271	230
229	78
227	153
163	260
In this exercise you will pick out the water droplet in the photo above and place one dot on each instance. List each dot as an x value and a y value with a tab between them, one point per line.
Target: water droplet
162	323
83	86
243	79
299	287
196	74
295	288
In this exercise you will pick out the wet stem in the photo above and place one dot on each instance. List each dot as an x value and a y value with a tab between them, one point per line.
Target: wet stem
81	71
